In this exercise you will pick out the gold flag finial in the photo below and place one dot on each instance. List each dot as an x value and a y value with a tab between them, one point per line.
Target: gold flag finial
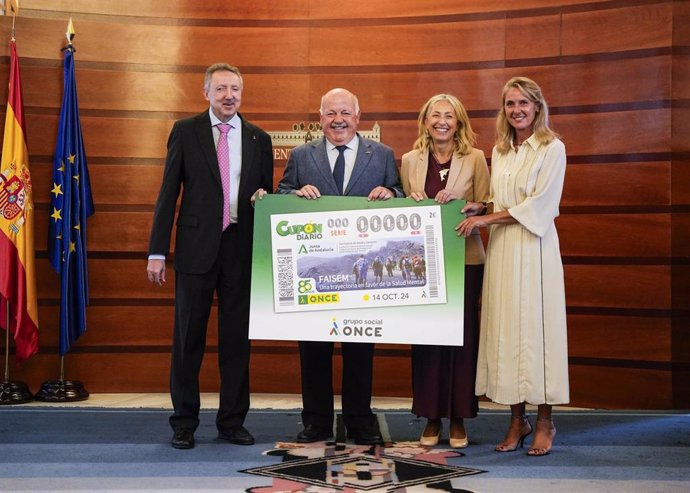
14	8
70	32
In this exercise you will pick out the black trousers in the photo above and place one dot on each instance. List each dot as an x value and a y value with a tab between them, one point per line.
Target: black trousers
316	360
230	279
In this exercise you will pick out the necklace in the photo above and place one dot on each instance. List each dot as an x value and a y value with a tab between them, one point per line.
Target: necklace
442	161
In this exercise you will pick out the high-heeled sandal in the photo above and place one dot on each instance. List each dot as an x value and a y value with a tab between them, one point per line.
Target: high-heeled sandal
456	441
542	451
431	441
521	439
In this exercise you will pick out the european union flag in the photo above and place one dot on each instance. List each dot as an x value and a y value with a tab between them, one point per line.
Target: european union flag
71	204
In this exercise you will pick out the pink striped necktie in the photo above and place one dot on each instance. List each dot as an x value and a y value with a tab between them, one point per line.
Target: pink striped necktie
224	166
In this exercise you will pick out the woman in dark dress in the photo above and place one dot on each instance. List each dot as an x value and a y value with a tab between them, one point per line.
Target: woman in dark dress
444	166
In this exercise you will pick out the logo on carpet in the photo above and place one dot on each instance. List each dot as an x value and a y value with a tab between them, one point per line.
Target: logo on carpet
330	467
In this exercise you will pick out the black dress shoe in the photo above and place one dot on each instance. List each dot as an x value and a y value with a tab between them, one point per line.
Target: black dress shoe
237	435
365	436
311	434
183	439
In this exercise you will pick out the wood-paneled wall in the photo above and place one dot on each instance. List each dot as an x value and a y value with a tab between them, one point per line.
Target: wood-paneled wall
616	76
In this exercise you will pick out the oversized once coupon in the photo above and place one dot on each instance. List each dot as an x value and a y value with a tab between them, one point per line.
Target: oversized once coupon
354	259
345	269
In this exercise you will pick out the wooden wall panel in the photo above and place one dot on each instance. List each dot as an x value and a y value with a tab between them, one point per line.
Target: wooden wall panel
610	30
681	71
626	338
614	73
602	84
680	189
180	9
610	235
409	44
681	128
138	44
623	132
533	37
331	9
277	9
125	325
617	184
681	235
120	231
622	388
266	367
619	286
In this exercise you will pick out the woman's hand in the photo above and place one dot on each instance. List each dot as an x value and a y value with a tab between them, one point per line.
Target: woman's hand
474	209
465	227
417	196
445	196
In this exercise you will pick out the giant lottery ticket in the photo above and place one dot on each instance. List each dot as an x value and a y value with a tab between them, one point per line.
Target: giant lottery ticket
355	259
345	269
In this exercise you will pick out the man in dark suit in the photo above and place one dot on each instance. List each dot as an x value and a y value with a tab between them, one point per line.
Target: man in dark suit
343	163
222	163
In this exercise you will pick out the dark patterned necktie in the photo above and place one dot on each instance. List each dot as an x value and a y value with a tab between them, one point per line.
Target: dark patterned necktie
339	168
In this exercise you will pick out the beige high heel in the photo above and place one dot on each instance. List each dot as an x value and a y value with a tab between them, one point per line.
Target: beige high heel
454	440
432	440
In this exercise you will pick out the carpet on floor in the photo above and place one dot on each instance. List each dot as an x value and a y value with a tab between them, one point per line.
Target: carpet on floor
116	449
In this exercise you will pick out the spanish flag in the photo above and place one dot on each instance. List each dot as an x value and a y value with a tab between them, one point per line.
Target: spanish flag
17	274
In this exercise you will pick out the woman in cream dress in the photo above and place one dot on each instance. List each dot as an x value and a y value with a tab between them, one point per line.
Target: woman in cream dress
523	355
444	166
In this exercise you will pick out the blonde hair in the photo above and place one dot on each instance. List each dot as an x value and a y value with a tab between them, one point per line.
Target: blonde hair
464	137
541	127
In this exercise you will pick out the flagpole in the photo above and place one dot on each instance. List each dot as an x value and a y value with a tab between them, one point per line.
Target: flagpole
14	18
7	344
63	390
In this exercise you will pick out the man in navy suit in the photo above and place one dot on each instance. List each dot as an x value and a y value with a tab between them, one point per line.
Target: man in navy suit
212	249
343	163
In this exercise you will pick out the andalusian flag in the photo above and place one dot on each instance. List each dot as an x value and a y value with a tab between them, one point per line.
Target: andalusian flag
17	274
71	204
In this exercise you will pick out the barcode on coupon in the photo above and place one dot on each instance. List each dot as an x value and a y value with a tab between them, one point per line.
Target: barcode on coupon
286	291
431	261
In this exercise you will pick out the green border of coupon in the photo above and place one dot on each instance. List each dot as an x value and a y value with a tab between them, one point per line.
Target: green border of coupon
262	269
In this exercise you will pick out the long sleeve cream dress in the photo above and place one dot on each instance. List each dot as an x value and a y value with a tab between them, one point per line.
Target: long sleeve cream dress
523	354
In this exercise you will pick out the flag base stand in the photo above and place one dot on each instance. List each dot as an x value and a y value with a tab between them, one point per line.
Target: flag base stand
62	391
14	393
11	391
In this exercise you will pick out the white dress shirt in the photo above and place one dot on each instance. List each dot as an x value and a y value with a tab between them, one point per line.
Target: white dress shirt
350	156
